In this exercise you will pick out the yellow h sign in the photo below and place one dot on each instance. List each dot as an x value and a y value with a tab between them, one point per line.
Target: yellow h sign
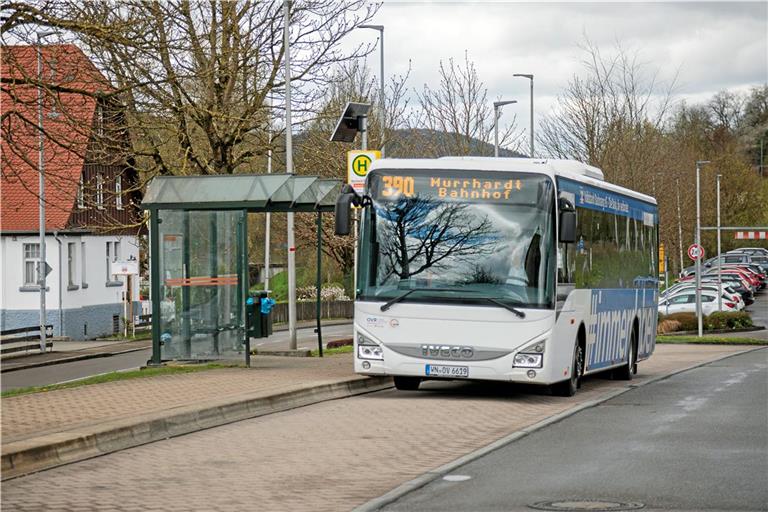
358	165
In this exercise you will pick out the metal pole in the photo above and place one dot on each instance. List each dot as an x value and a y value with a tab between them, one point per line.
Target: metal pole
363	124
699	318
719	252
319	283
289	170
496	131
532	116
382	112
679	224
41	267
268	227
698	260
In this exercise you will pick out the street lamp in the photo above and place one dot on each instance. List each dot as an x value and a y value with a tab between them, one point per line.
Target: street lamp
289	170
529	77
42	267
496	114
382	113
699	163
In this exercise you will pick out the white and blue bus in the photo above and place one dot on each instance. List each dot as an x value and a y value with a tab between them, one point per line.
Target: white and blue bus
520	270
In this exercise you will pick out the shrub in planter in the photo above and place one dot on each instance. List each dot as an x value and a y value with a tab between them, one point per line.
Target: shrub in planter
729	320
687	321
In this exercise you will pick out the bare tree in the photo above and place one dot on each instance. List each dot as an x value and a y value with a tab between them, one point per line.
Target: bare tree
194	76
456	117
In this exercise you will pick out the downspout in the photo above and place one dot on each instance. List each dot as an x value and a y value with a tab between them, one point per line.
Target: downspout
61	311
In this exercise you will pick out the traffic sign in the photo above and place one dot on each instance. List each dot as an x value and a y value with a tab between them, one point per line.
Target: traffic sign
47	268
358	165
662	259
695	252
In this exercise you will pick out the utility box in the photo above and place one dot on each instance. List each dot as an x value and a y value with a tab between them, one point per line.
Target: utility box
258	311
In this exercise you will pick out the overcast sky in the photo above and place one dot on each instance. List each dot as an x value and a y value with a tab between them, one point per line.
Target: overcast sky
709	45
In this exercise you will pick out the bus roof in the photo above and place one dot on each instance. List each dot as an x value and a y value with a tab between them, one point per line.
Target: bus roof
572	169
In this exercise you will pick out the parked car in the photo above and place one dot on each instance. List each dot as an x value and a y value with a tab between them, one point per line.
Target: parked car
728	294
686	303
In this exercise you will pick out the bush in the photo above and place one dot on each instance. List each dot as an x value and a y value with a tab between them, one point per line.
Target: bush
728	320
687	321
667	326
331	292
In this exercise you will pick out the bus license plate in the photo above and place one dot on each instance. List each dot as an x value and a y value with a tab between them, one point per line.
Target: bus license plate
437	370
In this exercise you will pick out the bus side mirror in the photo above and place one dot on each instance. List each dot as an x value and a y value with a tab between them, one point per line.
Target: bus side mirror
343	210
567	222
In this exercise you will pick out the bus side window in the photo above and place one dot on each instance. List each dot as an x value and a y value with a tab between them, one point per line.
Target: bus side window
566	254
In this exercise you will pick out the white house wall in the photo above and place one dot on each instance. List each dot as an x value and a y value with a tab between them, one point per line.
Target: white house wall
77	311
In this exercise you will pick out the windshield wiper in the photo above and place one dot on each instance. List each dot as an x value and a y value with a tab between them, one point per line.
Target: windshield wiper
391	302
516	311
394	300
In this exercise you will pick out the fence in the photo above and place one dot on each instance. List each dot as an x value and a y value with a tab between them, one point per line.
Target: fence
304	311
24	339
307	310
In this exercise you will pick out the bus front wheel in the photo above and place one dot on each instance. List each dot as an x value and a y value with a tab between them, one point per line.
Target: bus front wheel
569	387
407	383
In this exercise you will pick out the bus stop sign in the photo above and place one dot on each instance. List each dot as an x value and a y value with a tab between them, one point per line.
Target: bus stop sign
358	165
695	252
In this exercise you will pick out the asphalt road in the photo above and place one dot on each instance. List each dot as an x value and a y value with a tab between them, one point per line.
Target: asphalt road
695	441
57	373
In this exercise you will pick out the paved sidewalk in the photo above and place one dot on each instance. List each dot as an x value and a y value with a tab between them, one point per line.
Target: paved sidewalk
337	454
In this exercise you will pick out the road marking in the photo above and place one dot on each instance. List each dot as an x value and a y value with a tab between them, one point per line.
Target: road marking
456	478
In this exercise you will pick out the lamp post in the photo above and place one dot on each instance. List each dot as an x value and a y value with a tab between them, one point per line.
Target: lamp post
699	320
382	112
496	114
529	77
268	226
289	170
42	266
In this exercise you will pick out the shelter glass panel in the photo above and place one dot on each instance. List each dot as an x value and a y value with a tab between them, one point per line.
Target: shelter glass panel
201	284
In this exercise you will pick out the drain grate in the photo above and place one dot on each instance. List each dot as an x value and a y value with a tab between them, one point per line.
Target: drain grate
593	505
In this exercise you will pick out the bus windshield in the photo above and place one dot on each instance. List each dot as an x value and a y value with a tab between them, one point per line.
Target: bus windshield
459	237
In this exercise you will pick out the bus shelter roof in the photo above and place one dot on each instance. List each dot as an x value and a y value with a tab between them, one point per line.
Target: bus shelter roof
252	192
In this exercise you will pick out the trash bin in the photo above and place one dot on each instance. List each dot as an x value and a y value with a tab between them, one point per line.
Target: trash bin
266	314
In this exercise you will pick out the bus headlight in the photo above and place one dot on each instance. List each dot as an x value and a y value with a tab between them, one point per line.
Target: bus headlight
528	360
367	349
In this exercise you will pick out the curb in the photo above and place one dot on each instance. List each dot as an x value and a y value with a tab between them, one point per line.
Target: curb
47	451
428	477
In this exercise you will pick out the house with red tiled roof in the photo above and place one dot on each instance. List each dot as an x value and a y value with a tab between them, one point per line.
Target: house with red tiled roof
90	192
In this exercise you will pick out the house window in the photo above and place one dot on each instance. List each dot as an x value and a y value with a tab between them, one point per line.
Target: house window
83	281
119	192
31	259
81	193
72	263
100	191
113	254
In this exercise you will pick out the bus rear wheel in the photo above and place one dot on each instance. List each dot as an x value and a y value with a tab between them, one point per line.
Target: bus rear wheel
628	370
569	387
407	383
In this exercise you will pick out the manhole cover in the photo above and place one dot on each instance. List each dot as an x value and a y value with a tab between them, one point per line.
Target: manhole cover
593	505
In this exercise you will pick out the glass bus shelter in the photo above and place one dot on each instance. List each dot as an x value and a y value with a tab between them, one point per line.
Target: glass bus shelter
198	255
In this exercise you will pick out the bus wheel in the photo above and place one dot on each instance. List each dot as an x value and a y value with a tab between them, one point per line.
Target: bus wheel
629	369
569	387
407	383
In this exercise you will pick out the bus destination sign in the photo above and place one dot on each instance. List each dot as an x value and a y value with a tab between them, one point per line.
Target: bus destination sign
389	187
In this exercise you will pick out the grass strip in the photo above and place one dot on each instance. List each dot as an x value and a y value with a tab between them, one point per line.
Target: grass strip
117	376
709	340
336	350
